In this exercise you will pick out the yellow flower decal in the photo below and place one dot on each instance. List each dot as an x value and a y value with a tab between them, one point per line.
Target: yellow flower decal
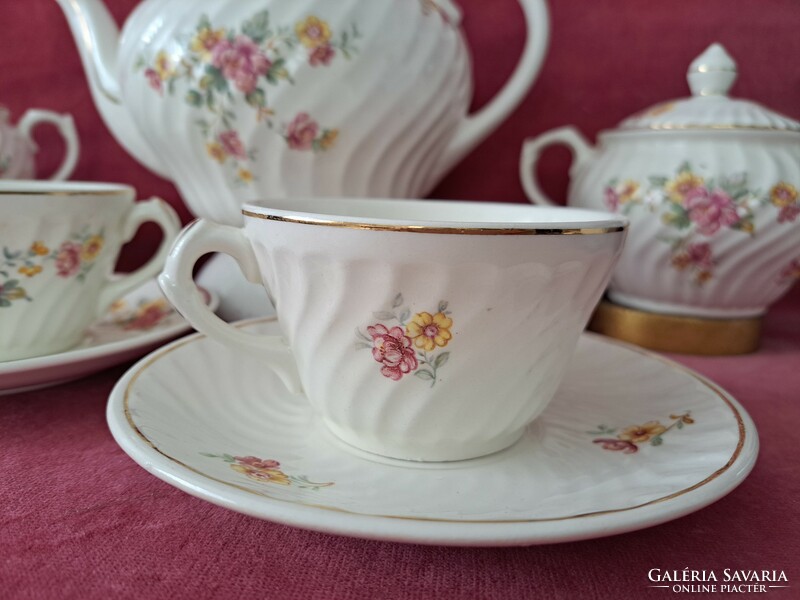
16	293
328	139
627	191
163	66
783	194
205	40
92	247
429	331
216	151
641	433
684	183
30	271
39	249
263	475
313	32
245	175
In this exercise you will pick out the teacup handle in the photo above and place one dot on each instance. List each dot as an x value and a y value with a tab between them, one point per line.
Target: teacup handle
66	127
162	214
532	149
203	237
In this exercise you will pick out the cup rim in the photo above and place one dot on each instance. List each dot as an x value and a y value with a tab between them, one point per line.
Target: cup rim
35	187
354	213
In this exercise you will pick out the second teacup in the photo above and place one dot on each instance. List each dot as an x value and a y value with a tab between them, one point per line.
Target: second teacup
428	331
59	243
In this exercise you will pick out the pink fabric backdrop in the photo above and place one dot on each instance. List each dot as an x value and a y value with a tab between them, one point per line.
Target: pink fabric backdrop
78	519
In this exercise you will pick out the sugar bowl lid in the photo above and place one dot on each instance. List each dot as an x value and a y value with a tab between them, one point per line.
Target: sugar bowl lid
711	75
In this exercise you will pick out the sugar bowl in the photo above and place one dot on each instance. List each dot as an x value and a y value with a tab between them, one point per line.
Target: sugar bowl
710	184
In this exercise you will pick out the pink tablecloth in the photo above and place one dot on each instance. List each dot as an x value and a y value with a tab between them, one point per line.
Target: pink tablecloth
78	519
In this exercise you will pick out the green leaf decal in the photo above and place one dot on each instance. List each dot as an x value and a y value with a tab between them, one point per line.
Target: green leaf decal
194	98
426	375
441	359
256	98
257	27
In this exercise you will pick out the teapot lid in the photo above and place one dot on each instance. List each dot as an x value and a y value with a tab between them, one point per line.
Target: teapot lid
710	77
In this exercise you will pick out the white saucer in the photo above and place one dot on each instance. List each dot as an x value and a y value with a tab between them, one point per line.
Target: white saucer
133	326
185	412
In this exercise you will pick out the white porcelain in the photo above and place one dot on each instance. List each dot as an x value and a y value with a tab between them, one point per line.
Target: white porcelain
711	185
401	317
18	149
557	484
59	243
133	326
238	101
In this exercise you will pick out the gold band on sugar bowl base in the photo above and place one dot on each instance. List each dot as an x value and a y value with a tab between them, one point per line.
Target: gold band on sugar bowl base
671	333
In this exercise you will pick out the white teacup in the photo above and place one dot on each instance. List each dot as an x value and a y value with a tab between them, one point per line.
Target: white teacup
59	244
429	331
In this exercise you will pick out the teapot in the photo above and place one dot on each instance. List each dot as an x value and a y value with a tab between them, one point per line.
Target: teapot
17	148
235	101
711	185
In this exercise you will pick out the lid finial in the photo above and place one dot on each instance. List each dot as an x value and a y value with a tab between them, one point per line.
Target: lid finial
712	73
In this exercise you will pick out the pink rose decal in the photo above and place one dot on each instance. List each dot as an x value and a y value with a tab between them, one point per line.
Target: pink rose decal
68	260
321	55
710	212
232	144
301	132
149	318
699	258
611	199
392	348
241	62
153	80
788	214
617	445
700	255
258	463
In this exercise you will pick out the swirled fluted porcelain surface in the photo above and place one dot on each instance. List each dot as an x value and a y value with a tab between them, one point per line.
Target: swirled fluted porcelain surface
250	100
400	336
715	217
220	426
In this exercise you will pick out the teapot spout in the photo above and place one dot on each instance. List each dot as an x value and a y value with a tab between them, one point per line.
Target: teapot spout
97	37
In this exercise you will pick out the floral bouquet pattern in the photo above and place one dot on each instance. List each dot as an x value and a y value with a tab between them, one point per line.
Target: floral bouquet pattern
226	68
412	345
629	439
696	210
72	258
266	471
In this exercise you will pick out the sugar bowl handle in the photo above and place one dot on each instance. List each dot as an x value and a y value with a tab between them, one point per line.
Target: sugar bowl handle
532	149
203	237
66	127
